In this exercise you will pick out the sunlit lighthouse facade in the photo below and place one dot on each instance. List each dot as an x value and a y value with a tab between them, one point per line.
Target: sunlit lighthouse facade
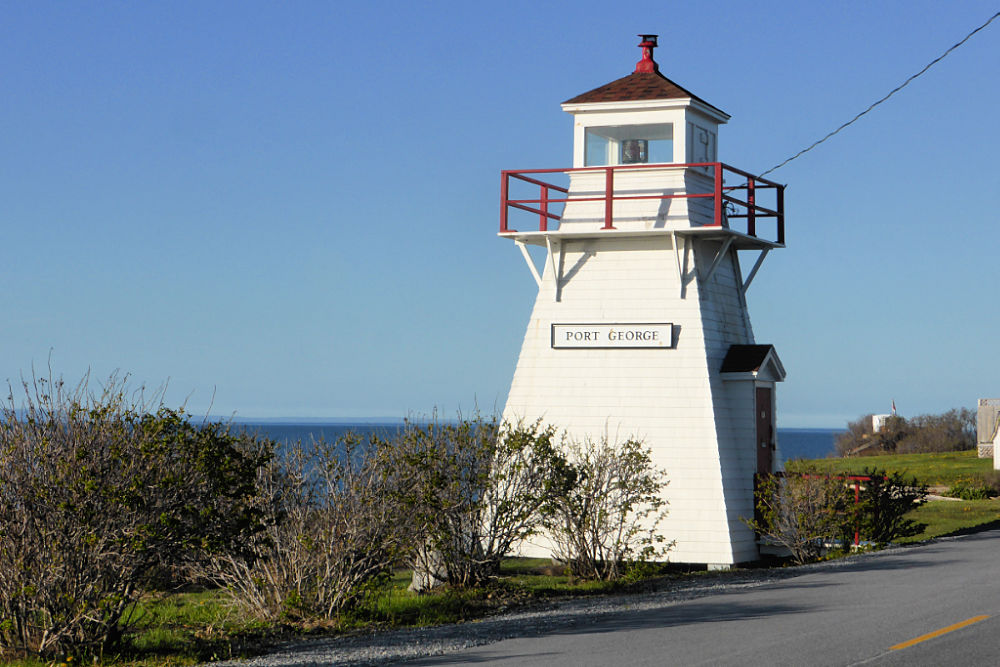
640	326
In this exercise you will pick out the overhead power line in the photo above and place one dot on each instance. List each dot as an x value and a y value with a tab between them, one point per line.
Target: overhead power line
890	94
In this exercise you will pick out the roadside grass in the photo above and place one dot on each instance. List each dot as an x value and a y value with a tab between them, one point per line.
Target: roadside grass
945	517
540	578
521	580
183	628
938	469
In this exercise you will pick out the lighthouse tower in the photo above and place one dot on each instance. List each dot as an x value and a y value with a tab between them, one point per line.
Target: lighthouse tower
640	326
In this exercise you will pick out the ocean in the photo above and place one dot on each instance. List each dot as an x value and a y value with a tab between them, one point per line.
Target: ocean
807	443
794	443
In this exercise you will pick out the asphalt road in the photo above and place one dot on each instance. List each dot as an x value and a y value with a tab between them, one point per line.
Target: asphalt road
878	611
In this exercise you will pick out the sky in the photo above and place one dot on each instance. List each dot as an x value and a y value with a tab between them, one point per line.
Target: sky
290	209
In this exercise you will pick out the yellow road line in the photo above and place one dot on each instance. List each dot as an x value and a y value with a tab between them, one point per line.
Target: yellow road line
938	633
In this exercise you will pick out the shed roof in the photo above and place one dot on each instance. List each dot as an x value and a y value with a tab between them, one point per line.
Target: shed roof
752	359
743	358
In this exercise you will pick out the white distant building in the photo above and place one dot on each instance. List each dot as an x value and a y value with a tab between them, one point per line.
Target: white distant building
640	325
878	422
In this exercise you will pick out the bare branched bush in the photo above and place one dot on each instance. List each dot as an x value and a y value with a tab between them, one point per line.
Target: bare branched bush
605	517
951	431
475	489
97	491
805	514
334	532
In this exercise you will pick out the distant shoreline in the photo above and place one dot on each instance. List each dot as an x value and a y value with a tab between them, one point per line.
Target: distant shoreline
313	421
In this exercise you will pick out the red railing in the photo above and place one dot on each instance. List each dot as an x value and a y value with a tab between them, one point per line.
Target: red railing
727	202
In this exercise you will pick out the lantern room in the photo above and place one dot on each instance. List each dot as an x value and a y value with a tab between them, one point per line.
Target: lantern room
616	124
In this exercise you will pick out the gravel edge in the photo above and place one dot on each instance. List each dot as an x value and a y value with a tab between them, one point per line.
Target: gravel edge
393	646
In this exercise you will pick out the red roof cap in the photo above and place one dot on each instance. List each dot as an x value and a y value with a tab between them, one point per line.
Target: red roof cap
647	64
645	83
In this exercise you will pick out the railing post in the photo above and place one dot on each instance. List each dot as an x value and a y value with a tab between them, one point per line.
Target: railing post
751	207
857	500
543	217
504	179
609	193
719	204
781	214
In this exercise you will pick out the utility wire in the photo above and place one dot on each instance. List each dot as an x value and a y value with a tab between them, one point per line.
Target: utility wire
891	93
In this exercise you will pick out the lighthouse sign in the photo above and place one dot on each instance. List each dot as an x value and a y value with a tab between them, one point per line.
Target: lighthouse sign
612	335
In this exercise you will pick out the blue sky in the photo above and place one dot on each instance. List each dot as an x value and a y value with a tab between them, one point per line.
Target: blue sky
289	209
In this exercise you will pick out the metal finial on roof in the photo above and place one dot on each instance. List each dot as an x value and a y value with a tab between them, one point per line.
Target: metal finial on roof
647	64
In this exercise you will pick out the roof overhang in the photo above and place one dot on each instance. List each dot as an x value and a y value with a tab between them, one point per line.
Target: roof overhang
649	105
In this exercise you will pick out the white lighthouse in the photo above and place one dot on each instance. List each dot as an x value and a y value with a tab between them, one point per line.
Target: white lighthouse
640	326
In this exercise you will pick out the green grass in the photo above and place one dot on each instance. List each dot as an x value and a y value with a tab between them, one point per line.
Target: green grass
540	578
946	517
177	629
521	580
403	608
943	469
190	627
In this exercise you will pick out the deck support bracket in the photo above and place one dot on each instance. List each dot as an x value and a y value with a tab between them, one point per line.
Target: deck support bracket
753	271
680	251
555	264
531	264
718	258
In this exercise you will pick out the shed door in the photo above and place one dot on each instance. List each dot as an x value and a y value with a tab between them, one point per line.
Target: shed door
765	431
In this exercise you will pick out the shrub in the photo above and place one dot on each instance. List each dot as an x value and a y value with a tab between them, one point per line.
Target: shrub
991	478
474	488
803	513
97	491
606	510
971	488
884	502
333	533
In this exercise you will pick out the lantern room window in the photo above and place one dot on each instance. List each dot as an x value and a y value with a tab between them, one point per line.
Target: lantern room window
596	149
629	144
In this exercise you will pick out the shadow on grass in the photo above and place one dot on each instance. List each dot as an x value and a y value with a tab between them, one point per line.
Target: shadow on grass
180	645
971	530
